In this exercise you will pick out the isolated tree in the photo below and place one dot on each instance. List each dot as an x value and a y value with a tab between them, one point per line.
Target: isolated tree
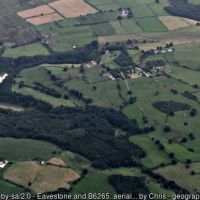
184	140
174	162
171	155
129	92
65	69
193	112
191	136
167	129
66	96
188	161
82	70
94	88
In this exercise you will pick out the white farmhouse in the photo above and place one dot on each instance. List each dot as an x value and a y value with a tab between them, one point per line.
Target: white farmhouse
2	78
3	164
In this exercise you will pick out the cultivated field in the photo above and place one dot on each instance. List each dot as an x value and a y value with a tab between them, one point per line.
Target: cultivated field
40	178
44	19
38	11
173	23
72	8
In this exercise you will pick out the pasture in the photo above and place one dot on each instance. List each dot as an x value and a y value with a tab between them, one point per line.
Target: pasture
185	55
100	17
188	55
151	24
182	175
187	75
133	112
131	26
8	188
92	78
26	50
93	183
26	149
66	38
104	29
154	156
75	161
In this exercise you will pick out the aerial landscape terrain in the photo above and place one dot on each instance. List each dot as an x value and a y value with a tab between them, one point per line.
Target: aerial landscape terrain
100	99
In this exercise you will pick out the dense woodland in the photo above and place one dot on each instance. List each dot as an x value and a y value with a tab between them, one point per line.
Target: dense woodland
170	106
129	184
89	132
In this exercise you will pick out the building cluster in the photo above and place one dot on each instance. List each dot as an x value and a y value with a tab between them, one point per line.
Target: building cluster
48	38
108	75
124	12
163	50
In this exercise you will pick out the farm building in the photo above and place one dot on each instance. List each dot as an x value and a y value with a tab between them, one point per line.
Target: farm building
3	164
125	12
48	38
2	78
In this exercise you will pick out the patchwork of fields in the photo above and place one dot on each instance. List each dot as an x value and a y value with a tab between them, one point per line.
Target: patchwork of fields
95	21
160	89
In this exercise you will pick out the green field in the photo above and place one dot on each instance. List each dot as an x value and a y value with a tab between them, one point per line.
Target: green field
151	24
122	171
182	175
119	29
188	55
92	77
184	55
157	9
154	155
134	112
8	188
67	32
74	161
100	17
187	75
27	50
25	149
93	183
39	74
131	26
104	29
